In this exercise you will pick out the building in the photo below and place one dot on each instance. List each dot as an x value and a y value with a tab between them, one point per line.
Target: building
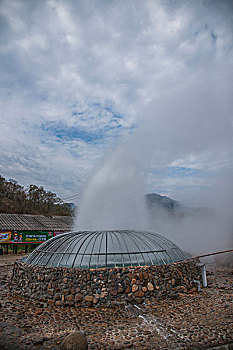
28	229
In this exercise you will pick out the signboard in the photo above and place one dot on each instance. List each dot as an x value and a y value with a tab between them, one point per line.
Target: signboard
30	236
27	236
56	233
5	237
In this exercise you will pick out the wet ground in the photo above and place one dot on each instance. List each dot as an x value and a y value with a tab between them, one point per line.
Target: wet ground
195	321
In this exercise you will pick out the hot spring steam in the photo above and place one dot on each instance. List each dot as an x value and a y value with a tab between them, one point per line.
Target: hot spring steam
114	198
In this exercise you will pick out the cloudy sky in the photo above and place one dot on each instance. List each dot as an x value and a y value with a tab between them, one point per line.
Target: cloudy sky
80	78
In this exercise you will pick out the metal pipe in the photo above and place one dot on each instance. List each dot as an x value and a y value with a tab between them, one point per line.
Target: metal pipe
203	274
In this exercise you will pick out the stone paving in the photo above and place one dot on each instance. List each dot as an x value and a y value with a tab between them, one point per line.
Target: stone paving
192	321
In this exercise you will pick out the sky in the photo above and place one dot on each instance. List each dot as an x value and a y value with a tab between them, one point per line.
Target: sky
80	79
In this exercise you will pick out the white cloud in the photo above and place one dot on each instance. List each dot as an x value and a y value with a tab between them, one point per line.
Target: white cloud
60	57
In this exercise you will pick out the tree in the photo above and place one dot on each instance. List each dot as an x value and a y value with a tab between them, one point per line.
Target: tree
32	200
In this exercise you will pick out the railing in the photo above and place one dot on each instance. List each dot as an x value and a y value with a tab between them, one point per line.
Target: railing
215	253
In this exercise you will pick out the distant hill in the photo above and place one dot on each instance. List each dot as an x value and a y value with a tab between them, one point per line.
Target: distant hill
156	203
154	200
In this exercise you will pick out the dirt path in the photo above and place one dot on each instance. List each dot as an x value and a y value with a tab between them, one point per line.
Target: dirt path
195	321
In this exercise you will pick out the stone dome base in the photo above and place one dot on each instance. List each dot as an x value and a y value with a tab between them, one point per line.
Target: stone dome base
104	286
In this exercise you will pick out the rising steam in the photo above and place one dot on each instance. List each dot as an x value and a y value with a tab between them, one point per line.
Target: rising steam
114	196
190	122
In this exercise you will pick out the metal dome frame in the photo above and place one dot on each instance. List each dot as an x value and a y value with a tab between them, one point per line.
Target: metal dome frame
100	249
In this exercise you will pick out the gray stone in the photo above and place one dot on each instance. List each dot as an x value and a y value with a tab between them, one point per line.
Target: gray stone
75	341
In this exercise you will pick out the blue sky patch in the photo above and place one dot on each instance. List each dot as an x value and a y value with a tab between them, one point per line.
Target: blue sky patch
65	133
183	172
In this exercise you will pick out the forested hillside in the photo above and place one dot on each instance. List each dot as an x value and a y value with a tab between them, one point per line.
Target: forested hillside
16	199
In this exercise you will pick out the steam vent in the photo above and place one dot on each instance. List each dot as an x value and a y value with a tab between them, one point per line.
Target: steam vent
103	267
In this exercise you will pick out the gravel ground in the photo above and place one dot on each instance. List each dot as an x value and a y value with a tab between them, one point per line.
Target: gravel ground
195	321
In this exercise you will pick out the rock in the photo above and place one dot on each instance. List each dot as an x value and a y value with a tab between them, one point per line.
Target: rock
57	296
150	286
128	290
70	297
72	290
38	312
50	291
134	288
78	297
75	341
139	294
88	298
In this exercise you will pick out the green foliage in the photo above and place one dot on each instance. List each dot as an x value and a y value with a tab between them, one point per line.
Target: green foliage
32	200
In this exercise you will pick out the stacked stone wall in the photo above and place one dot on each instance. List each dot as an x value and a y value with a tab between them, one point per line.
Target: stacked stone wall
79	287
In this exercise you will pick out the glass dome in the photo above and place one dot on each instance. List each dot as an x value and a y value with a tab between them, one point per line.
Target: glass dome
97	249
